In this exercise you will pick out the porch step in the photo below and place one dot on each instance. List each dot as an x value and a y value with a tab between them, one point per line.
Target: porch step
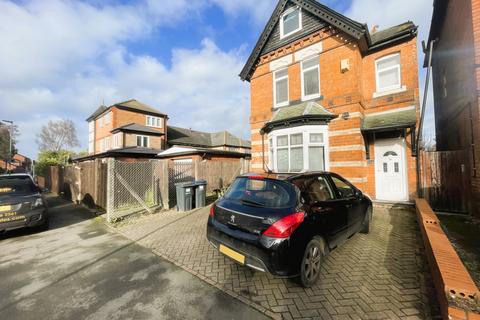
393	204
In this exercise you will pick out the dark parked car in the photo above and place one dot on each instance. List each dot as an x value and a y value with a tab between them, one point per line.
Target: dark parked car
21	203
287	226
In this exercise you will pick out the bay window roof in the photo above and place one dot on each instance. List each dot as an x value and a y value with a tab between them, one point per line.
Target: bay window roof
302	113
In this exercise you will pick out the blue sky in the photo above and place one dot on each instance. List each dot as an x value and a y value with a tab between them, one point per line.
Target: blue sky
61	59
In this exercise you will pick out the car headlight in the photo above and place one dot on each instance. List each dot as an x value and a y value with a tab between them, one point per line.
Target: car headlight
38	203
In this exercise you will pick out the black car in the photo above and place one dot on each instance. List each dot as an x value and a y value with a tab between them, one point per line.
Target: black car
22	203
287	226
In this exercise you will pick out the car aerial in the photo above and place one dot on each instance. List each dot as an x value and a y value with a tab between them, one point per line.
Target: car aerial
286	226
22	203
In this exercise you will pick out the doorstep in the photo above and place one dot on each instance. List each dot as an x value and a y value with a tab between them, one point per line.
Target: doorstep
393	204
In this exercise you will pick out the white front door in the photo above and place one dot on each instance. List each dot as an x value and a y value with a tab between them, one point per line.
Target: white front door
390	170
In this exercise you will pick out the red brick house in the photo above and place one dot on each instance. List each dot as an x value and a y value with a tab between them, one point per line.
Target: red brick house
129	128
455	29
328	94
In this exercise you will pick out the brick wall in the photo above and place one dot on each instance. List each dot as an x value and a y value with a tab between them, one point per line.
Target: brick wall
131	141
351	91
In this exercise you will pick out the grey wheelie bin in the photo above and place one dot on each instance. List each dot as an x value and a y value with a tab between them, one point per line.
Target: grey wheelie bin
200	193
185	194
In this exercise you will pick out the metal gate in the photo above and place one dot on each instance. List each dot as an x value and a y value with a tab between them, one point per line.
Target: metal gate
179	171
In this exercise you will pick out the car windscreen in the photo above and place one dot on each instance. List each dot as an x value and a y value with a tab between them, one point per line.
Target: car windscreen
17	186
262	193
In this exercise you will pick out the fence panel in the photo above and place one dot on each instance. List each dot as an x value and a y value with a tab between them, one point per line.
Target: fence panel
445	178
220	174
135	187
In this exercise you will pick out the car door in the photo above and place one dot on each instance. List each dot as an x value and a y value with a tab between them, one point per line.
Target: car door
329	212
353	203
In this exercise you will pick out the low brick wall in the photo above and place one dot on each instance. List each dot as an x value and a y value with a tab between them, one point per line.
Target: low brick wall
456	291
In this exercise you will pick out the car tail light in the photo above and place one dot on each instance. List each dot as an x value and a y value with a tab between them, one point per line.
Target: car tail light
212	210
284	227
256	177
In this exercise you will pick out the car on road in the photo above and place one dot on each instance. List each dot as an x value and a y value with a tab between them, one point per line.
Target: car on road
22	203
286	226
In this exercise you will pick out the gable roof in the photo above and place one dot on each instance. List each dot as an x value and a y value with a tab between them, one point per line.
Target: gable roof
356	30
137	128
132	105
188	137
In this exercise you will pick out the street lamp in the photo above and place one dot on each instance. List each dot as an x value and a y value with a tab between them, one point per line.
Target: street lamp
10	148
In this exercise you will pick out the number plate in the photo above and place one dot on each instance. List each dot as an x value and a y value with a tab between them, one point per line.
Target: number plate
11	216
232	254
5	208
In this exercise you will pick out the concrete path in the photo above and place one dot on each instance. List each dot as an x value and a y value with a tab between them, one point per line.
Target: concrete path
81	270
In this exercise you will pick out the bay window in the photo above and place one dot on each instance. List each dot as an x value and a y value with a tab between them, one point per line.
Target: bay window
299	149
280	88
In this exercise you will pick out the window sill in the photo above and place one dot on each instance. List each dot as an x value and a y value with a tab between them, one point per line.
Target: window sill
312	97
389	92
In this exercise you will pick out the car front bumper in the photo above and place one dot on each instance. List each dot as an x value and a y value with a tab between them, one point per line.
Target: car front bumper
262	254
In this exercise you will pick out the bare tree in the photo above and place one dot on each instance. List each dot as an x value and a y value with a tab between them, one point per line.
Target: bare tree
5	140
58	135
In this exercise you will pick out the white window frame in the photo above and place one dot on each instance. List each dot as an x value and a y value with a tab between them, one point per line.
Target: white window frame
306	131
117	140
300	23
275	103
155	122
377	72
312	96
142	137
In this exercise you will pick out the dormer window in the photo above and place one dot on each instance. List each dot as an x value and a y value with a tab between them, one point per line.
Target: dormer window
290	22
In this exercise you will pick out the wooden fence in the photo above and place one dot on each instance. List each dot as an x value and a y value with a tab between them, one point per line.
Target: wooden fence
86	182
83	182
445	179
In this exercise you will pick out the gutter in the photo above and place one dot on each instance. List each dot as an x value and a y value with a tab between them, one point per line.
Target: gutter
422	117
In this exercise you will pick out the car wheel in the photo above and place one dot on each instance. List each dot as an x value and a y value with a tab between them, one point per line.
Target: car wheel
45	226
367	221
312	262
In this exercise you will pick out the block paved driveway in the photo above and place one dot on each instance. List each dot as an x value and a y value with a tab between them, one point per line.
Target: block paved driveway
382	275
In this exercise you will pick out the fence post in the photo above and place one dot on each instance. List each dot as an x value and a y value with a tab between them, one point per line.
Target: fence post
195	169
110	187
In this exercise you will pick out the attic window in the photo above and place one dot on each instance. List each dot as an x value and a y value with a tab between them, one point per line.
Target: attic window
290	22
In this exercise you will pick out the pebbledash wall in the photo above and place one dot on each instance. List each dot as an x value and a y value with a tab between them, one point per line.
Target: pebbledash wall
349	91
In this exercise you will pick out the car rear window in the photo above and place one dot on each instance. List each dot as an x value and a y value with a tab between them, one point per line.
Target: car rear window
16	185
262	192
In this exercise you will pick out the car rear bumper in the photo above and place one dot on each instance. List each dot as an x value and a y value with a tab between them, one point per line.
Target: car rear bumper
267	255
33	218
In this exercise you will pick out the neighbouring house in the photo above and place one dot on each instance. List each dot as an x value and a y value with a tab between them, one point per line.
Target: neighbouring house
22	163
328	94
132	130
19	164
129	129
455	28
187	145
